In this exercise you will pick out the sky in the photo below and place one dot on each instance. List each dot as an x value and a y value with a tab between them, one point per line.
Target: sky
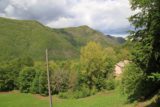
107	16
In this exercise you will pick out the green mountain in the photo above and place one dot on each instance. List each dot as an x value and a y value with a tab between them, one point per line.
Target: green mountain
31	38
119	40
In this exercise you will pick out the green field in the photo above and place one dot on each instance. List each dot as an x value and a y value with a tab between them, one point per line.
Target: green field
102	99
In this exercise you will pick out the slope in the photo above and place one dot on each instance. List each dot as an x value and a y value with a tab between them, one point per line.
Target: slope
31	38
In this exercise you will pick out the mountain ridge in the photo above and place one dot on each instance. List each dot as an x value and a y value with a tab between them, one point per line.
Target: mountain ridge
31	38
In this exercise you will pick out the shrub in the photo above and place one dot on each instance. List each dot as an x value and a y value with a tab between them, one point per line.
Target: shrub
35	87
79	94
60	81
26	78
93	91
6	79
110	84
43	83
84	91
132	81
64	95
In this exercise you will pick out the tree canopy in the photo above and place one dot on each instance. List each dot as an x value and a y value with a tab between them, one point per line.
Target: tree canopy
146	40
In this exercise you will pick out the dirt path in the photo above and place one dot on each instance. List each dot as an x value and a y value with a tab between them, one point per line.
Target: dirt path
9	92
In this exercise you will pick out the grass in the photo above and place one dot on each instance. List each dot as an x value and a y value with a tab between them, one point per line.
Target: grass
21	100
102	99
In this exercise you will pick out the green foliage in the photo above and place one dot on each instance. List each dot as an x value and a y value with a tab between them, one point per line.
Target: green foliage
124	54
146	40
35	87
82	77
155	76
133	81
65	95
9	71
43	84
84	91
6	78
110	84
60	81
74	77
26	78
20	38
97	63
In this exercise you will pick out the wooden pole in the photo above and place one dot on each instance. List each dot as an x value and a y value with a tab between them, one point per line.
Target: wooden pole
48	78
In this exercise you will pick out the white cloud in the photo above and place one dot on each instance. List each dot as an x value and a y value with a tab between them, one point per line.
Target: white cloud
108	16
9	10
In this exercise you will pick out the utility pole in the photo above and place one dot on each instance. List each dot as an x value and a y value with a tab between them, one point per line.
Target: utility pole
48	77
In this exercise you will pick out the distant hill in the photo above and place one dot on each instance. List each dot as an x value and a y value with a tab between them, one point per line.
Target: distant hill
119	40
31	38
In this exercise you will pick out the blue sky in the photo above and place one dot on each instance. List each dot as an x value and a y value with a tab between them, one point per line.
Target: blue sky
107	16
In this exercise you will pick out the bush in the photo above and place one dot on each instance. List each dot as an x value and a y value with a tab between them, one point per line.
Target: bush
26	78
93	91
43	83
6	79
84	91
35	87
60	81
64	95
72	94
132	83
110	84
10	70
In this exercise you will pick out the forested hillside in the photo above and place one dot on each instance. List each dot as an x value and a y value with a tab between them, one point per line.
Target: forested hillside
31	38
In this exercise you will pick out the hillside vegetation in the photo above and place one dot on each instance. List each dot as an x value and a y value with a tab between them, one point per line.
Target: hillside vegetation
31	38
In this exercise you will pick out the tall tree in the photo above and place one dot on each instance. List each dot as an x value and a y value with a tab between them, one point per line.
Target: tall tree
147	34
146	37
97	63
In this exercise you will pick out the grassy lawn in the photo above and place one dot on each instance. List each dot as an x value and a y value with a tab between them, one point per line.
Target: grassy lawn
102	99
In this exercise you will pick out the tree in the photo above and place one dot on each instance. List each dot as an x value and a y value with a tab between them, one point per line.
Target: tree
146	38
6	78
43	84
74	76
15	66
60	80
10	71
132	80
26	78
147	35
96	65
35	86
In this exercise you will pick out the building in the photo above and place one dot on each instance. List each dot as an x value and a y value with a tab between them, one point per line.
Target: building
119	67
